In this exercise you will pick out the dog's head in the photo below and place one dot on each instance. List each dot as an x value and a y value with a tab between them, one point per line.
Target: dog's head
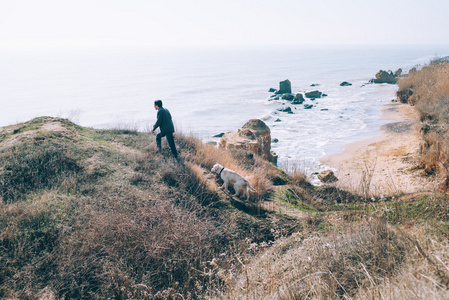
216	168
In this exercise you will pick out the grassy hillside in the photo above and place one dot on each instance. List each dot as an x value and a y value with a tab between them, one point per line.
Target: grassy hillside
97	214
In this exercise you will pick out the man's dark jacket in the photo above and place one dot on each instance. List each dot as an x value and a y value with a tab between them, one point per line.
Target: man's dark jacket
164	121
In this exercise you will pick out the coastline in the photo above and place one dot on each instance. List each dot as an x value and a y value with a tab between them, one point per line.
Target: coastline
384	164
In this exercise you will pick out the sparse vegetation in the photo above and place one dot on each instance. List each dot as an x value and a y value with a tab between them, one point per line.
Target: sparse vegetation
97	214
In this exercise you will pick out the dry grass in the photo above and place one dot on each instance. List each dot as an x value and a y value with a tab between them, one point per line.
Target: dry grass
428	90
321	266
425	275
258	172
98	214
428	86
155	245
32	167
125	223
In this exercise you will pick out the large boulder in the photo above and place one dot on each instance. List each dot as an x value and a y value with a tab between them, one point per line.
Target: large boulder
327	176
254	136
285	87
384	77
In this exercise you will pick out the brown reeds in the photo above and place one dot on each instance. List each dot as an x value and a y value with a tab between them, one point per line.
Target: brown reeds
428	90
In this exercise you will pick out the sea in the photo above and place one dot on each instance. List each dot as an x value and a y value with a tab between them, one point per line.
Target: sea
213	90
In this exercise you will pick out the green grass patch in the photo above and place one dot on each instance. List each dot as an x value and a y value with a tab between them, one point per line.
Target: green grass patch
424	208
292	197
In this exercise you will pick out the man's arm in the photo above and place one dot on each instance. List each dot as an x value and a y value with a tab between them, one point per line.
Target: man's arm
159	120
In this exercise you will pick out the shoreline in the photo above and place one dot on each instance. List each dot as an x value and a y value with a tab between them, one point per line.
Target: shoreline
384	164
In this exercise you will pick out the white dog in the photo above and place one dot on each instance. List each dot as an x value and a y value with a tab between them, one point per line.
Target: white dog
234	178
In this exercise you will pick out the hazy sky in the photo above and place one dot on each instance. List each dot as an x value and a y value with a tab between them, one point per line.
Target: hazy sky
222	22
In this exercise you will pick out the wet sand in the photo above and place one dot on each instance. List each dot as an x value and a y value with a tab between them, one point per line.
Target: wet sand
385	164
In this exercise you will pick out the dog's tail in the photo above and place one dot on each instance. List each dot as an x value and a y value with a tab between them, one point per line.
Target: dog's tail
250	187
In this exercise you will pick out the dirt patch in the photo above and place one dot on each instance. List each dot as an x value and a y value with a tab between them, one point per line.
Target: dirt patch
53	126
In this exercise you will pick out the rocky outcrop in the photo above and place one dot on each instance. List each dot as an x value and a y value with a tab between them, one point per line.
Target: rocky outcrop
327	176
386	77
254	136
345	83
285	87
397	73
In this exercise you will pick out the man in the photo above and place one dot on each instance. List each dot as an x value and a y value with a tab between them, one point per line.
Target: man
167	129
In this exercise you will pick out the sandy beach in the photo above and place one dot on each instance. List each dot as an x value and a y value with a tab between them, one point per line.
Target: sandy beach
385	164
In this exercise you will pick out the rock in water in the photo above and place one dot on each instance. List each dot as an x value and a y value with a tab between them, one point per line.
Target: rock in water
285	87
384	77
308	106
288	97
287	110
299	99
313	94
398	73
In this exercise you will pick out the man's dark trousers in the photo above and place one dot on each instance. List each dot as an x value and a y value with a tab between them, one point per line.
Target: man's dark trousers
170	140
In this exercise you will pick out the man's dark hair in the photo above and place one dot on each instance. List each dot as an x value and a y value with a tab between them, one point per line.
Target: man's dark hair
158	103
